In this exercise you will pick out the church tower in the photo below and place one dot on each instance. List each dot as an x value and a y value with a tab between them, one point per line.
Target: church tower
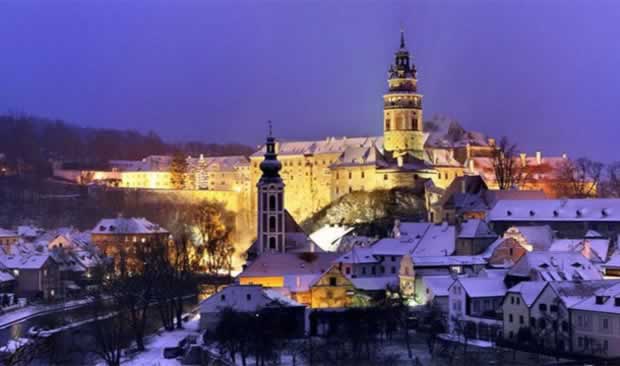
402	107
270	188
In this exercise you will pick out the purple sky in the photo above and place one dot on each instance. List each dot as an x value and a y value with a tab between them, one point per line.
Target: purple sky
546	73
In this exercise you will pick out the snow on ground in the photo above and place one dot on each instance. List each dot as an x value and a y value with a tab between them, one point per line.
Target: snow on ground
155	344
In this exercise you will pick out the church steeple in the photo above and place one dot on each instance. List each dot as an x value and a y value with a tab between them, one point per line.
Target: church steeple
271	214
402	39
270	166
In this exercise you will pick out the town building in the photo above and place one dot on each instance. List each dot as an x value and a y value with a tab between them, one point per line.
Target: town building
568	218
552	266
123	239
253	300
36	276
8	238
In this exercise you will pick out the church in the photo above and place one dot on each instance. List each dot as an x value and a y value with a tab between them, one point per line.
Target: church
319	172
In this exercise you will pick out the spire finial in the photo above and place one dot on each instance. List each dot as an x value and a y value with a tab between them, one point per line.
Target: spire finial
402	38
270	127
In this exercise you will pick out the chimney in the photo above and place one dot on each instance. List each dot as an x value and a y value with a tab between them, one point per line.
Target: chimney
396	229
538	158
523	159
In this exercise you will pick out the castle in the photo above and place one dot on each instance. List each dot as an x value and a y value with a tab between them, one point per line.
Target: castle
318	172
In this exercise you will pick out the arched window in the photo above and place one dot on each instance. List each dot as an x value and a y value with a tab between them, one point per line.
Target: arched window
272	243
272	202
272	223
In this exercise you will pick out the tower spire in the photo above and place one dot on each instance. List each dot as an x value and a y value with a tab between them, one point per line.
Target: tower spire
402	38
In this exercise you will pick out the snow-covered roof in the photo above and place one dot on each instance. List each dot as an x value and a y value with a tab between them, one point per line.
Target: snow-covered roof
245	298
413	229
493	273
29	231
280	264
574	292
6	277
555	266
7	233
447	260
129	225
439	285
595	250
394	246
358	256
374	283
475	228
577	210
329	145
483	287
23	262
529	290
537	238
437	241
488	252
329	237
361	155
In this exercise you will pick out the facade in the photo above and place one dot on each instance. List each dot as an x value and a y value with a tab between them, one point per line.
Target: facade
123	239
7	239
474	306
36	276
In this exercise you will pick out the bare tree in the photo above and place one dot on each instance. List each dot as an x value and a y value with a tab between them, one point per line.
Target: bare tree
22	351
610	187
579	178
508	170
110	329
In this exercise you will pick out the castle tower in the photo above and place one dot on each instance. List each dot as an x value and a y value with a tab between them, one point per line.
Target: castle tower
270	188
402	107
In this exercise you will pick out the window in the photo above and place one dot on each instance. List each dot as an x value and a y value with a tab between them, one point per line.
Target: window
248	297
518	301
350	175
363	175
385	177
374	270
542	323
272	202
363	270
393	258
510	252
393	270
553	308
512	300
272	243
510	318
347	270
521	320
223	297
604	323
272	223
332	281
542	307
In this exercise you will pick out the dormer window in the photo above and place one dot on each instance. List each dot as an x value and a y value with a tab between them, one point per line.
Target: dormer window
604	212
509	213
556	213
616	301
532	213
578	213
600	300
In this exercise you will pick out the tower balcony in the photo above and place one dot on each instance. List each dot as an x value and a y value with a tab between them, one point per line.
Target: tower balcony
402	104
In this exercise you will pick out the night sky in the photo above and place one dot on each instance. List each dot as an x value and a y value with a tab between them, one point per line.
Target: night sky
546	73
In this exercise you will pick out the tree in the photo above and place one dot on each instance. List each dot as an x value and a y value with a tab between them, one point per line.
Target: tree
610	187
110	329
508	170
178	171
214	226
579	178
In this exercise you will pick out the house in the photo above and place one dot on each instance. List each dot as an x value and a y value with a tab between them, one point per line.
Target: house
569	218
250	299
434	290
551	320
516	309
596	323
474	237
8	238
474	305
36	275
468	197
121	239
332	289
552	266
504	252
291	272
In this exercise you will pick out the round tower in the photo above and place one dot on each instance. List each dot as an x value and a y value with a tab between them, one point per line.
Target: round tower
402	107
